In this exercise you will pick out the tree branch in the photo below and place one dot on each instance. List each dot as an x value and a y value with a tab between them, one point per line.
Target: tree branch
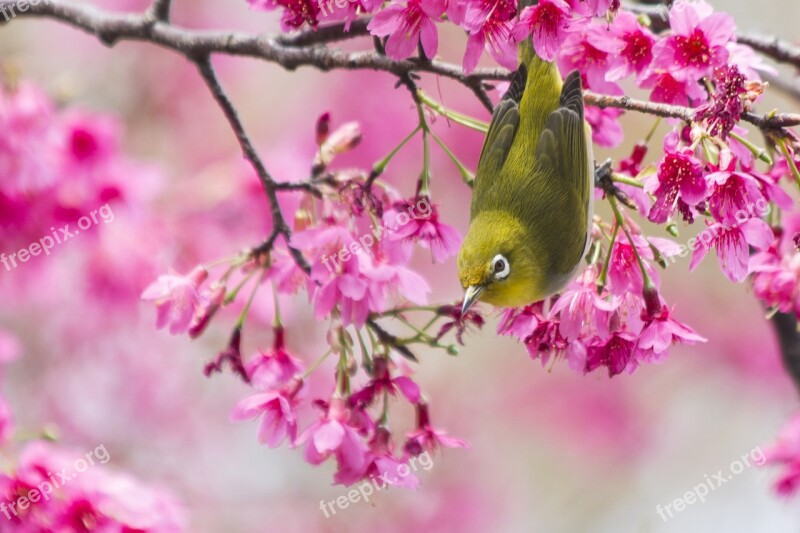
773	47
110	28
326	34
789	339
270	187
159	10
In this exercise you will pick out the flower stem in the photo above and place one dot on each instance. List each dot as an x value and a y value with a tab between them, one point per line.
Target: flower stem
458	118
619	178
467	176
381	165
758	152
789	160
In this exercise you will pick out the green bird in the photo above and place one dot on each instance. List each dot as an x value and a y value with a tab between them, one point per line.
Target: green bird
532	197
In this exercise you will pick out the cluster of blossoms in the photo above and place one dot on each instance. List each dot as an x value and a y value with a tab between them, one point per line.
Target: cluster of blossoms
357	235
606	44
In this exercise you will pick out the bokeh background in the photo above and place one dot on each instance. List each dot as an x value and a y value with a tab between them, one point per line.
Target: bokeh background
551	451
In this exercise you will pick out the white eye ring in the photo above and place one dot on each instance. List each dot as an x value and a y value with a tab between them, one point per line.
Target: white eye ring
500	267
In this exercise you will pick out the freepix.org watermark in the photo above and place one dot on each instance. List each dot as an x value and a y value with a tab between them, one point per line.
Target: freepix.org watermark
369	487
59	236
44	490
711	483
421	209
11	10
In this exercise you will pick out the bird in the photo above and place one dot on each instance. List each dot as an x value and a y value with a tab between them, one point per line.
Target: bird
532	202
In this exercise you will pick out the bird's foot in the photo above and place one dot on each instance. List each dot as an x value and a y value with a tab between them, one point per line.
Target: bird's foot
604	181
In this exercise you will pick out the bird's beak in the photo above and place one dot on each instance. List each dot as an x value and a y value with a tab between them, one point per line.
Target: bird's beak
470	297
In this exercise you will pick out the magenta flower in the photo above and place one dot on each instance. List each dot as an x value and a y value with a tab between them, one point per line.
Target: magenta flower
276	409
629	45
667	89
660	332
407	222
460	322
726	106
295	14
212	300
698	43
177	299
606	129
547	23
407	26
520	323
735	196
679	177
624	273
616	353
426	438
334	434
579	52
490	24
381	466
594	8
785	452
732	245
580	305
274	369
383	382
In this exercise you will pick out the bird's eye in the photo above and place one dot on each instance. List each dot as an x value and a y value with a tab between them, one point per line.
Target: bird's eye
500	267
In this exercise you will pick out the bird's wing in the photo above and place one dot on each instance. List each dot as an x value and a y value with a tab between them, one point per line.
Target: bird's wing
564	134
563	154
502	130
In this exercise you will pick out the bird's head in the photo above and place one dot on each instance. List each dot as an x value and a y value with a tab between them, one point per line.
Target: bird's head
496	263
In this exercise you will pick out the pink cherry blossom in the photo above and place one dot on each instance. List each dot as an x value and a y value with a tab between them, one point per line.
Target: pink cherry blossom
606	129
660	332
277	410
580	52
668	89
383	382
176	298
547	23
785	453
679	177
490	24
629	45
698	43
426	438
335	435
407	222
616	353
734	196
295	14
381	466
407	26
273	369
732	245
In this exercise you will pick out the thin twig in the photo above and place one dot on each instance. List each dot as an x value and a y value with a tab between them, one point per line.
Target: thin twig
777	49
111	27
270	187
326	34
160	10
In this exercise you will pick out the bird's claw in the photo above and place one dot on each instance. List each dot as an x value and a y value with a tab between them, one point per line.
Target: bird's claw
603	180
